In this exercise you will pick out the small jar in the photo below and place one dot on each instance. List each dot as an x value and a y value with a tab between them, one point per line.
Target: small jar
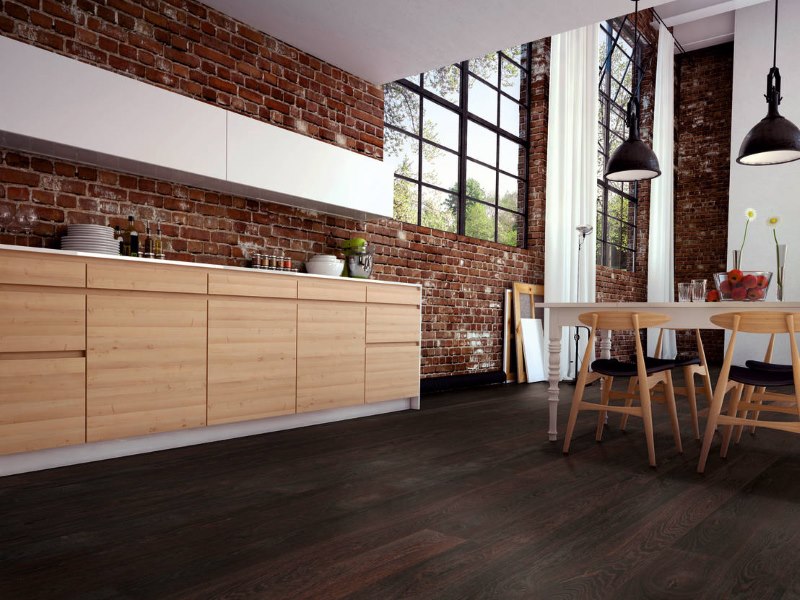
273	261
287	262
256	261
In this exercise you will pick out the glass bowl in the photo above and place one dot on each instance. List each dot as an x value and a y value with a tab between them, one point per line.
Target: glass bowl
743	286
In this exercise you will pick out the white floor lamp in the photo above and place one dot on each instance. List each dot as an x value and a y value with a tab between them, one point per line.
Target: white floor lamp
583	231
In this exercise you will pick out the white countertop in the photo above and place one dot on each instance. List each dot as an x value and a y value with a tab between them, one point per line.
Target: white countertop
265	272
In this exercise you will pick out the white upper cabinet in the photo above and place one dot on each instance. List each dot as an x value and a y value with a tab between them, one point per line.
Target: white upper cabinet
57	106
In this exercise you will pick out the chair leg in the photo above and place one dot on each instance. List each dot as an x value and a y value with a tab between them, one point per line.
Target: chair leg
647	419
736	396
577	398
756	413
605	395
669	392
711	422
748	397
691	393
632	383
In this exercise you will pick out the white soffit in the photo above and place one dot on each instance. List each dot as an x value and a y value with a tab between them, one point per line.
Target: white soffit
701	23
383	40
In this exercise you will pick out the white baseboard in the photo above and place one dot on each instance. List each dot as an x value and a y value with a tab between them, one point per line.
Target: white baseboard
70	455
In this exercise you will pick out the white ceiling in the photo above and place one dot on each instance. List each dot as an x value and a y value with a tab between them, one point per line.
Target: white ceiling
384	40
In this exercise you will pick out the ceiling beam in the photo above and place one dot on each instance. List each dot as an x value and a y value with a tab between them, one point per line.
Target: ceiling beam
709	11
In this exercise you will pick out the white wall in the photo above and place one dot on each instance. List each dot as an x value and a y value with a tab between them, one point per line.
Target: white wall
771	190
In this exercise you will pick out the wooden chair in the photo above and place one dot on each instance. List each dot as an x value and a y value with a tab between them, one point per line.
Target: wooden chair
657	372
691	367
736	378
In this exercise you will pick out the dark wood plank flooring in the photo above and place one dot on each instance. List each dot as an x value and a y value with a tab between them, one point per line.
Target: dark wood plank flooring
463	499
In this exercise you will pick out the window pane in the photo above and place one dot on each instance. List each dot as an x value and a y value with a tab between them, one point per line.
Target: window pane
510	228
440	124
401	107
485	67
516	54
414	78
512	193
510	78
406	198
439	167
512	117
479	221
402	152
445	82
482	100
481	182
511	156
481	144
439	209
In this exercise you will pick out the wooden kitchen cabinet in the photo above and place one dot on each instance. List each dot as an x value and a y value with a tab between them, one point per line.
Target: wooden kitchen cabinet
392	372
146	364
252	359
390	323
330	355
42	403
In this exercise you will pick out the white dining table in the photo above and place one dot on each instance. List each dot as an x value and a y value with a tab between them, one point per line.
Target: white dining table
683	315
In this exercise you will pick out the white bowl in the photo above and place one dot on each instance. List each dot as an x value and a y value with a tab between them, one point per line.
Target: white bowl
323	258
332	269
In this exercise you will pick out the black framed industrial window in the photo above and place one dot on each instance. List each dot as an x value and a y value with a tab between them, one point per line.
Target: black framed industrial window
457	138
621	72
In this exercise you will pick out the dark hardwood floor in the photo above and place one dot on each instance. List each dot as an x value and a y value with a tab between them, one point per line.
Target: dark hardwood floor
463	499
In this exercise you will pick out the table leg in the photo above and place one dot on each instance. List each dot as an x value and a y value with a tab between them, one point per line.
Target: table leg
554	373
605	344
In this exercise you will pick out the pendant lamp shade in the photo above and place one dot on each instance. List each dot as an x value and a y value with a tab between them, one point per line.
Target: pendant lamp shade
633	160
774	139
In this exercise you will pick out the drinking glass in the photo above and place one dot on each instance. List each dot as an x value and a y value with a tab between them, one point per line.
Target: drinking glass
698	290
26	216
6	216
684	292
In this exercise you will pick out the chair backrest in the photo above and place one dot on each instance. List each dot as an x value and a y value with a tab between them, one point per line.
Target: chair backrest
615	321
758	321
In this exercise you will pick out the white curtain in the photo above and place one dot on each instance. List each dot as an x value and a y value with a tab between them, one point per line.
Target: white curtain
660	249
571	173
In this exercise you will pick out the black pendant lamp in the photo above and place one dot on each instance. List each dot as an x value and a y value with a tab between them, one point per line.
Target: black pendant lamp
633	160
774	139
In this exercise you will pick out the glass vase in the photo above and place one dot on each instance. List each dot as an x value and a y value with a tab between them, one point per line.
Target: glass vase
780	250
737	259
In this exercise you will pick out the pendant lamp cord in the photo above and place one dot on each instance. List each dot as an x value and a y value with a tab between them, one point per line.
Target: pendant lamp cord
774	37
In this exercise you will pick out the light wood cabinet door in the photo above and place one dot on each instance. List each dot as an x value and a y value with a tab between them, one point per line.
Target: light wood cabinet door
330	356
392	372
42	321
391	323
42	403
146	364
26	269
252	359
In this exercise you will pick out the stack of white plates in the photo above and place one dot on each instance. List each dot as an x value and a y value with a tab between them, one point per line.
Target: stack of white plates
90	238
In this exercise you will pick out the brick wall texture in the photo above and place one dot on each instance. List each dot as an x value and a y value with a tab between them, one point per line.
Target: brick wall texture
702	154
191	49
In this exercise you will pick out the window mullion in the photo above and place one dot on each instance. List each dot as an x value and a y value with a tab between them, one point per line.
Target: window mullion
461	217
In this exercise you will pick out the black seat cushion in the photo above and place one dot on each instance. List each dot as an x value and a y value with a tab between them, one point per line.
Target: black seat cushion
679	361
760	377
616	368
765	366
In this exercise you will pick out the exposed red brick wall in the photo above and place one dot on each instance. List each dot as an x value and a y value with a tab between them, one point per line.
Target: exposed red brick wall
537	160
703	107
189	48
